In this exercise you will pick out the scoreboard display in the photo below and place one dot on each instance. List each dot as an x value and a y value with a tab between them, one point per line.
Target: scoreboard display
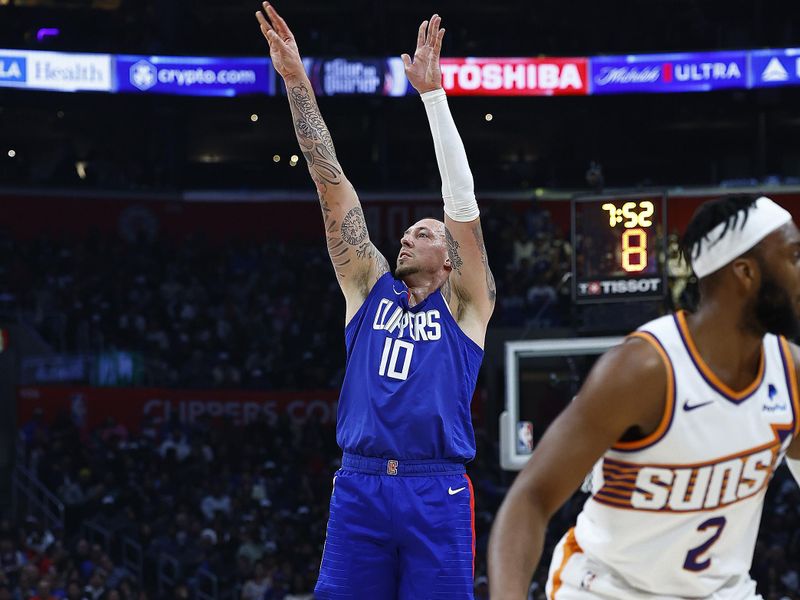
619	248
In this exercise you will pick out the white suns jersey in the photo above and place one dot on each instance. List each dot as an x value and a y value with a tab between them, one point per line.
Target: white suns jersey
677	513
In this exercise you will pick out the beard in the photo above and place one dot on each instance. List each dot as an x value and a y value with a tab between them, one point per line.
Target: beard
405	270
774	309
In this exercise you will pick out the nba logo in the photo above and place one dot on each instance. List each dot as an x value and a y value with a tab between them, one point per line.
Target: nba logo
524	437
391	467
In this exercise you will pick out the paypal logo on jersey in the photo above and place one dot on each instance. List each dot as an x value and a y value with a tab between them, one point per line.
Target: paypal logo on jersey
13	68
773	403
420	326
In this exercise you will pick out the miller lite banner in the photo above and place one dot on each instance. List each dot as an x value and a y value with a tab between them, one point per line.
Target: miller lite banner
515	76
669	73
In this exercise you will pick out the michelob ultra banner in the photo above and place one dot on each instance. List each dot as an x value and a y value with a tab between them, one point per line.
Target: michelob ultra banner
668	73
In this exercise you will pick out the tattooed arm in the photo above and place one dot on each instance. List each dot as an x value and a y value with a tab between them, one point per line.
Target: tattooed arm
471	289
356	260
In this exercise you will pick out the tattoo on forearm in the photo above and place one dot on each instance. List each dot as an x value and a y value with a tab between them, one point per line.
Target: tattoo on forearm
315	139
350	235
452	251
490	283
354	228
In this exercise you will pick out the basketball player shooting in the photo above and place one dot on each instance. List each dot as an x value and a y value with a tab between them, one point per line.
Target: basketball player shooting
401	513
685	423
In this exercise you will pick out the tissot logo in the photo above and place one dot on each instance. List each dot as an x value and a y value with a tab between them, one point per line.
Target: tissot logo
12	68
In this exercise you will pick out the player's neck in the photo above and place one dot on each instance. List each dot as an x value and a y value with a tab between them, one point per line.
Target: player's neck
732	351
419	289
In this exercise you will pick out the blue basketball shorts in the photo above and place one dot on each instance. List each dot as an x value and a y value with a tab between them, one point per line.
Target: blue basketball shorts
399	531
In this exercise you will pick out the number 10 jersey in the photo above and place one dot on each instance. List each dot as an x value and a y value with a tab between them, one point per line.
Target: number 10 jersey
409	380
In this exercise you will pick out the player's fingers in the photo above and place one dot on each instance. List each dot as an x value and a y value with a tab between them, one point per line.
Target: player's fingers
275	41
406	61
437	46
263	22
280	24
421	34
433	30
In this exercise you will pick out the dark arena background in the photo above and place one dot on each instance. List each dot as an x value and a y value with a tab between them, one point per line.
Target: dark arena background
171	330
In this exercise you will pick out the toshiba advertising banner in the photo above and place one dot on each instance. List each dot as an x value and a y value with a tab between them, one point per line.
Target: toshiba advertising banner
89	407
515	76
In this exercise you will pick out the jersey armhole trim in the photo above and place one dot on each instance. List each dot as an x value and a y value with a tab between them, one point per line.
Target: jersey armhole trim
361	309
791	378
669	405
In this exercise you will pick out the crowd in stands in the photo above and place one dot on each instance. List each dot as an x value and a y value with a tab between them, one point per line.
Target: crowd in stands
248	506
243	314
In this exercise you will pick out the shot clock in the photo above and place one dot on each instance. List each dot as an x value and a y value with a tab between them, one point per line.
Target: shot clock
619	248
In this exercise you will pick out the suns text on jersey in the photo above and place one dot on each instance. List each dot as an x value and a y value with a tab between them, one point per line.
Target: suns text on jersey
682	488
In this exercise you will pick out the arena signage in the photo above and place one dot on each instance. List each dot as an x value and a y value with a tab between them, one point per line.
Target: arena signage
515	76
612	288
775	68
664	73
345	76
58	71
89	407
13	68
193	76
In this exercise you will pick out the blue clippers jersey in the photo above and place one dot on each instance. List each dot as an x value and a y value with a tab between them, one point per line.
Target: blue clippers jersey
410	377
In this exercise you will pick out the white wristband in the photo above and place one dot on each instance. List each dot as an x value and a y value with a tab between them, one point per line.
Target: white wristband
458	188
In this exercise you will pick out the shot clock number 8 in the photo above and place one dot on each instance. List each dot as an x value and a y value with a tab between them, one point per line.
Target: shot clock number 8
633	217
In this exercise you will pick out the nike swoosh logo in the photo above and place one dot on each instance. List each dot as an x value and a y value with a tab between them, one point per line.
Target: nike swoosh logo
453	492
687	407
398	293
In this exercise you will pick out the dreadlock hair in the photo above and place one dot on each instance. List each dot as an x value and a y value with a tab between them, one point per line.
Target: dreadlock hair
710	214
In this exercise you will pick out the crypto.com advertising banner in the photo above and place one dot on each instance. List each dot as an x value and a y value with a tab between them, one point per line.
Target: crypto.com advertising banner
668	73
193	75
89	407
515	76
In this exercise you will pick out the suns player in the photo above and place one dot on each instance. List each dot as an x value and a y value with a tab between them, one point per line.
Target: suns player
401	520
689	418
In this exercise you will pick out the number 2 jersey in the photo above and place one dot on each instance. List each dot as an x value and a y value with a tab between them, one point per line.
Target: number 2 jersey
410	376
677	513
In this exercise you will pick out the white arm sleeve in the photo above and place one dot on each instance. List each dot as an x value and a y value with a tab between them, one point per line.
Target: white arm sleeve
794	467
458	188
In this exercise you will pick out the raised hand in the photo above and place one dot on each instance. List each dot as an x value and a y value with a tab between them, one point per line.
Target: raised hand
282	46
424	71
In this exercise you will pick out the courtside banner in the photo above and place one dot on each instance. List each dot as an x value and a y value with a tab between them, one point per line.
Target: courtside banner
358	77
515	76
775	68
667	73
89	407
193	75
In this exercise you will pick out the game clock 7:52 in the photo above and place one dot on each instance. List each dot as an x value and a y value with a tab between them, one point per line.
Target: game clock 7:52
619	247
